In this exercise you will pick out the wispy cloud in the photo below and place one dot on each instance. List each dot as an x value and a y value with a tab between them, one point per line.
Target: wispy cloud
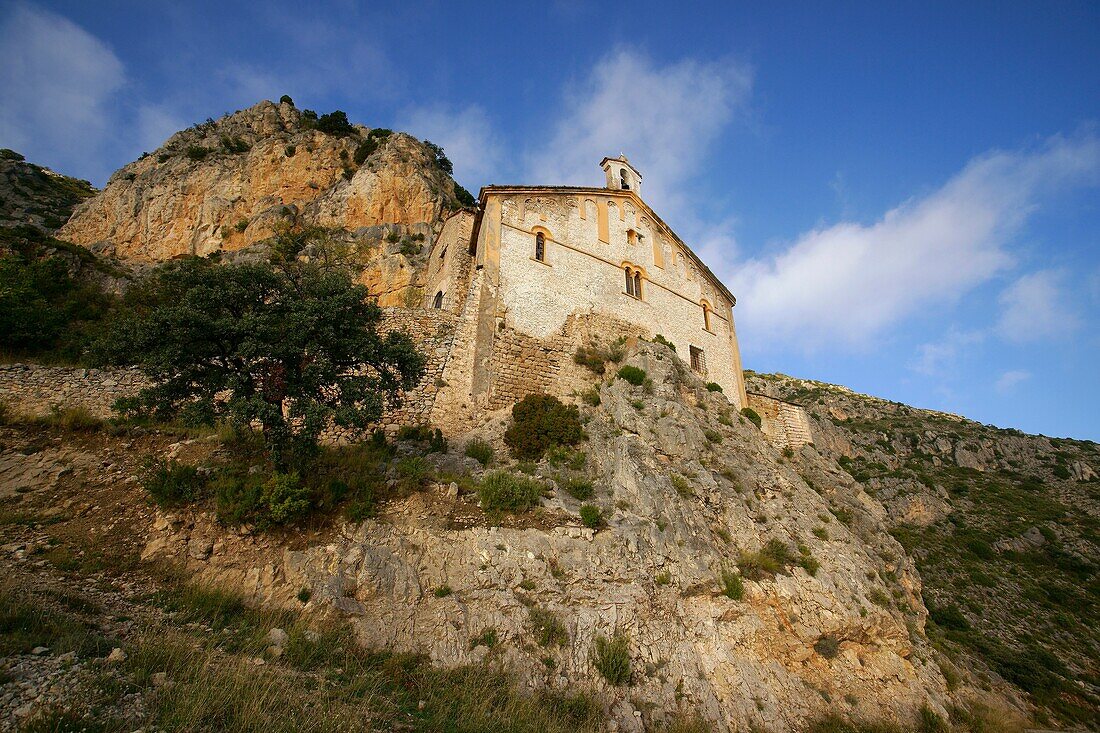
57	82
940	358
845	284
466	134
1008	381
1037	307
664	117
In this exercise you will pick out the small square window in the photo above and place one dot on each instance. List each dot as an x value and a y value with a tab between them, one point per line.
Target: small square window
698	360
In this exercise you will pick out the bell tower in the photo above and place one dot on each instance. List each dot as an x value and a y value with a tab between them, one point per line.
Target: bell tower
621	175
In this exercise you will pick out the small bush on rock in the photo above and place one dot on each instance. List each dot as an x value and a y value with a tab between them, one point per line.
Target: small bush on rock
501	491
591	516
732	586
578	488
479	450
285	497
827	647
659	339
752	416
714	387
540	422
170	483
611	657
632	374
591	358
547	627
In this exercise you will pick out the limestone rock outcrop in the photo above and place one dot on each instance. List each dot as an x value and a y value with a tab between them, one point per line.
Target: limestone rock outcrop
35	196
229	183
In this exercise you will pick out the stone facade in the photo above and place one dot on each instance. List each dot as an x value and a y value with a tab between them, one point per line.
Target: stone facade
552	256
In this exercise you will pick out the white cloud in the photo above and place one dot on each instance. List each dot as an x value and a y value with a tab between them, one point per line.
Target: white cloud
938	358
664	118
155	124
845	284
1036	307
57	82
467	136
1007	381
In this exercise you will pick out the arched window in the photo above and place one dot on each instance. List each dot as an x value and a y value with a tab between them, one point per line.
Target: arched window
540	247
706	317
638	285
629	281
437	303
622	180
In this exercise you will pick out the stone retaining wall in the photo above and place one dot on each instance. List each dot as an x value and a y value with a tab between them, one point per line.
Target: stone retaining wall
35	389
784	423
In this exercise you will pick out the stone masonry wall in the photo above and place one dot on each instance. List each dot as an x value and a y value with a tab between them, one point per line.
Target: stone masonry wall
35	389
32	389
784	423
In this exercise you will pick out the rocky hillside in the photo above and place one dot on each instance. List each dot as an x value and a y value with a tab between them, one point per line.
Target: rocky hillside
1004	529
677	566
228	183
31	195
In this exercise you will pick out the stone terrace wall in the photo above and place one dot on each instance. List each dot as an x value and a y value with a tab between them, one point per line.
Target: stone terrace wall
32	389
784	423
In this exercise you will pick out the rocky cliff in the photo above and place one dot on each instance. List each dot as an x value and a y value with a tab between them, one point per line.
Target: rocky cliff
31	195
1002	526
754	587
228	185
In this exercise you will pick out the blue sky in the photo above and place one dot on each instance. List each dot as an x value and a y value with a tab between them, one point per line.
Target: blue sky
904	199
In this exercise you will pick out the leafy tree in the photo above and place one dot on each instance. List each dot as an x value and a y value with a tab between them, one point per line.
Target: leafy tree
288	345
335	123
441	159
465	198
44	309
540	422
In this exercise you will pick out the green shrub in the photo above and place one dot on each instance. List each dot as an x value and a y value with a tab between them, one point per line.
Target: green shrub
664	577
682	485
196	152
591	396
591	357
732	586
413	472
712	436
578	488
821	533
234	144
591	516
773	557
241	225
170	483
285	99
547	627
442	591
290	150
501	491
827	646
76	419
752	416
659	339
480	450
285	497
714	387
809	563
561	455
611	657
304	595
1061	472
487	638
540	422
236	500
632	374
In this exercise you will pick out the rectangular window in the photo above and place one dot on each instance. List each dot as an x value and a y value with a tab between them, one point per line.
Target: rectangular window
698	361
